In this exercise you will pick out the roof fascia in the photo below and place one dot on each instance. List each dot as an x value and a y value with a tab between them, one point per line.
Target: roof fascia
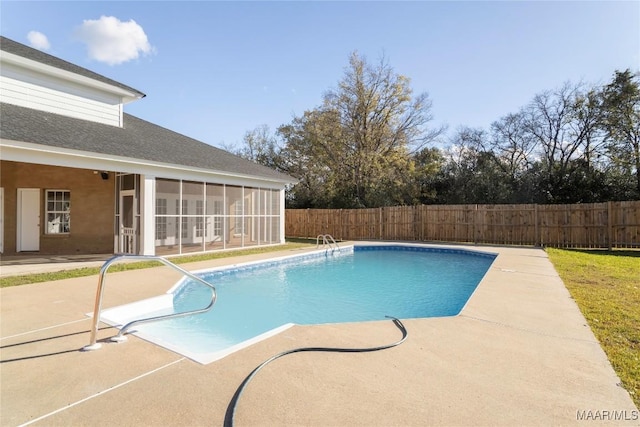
19	151
127	96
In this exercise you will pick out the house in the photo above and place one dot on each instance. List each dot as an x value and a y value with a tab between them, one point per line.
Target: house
78	175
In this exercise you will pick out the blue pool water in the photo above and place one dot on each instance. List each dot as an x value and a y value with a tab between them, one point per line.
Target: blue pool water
365	283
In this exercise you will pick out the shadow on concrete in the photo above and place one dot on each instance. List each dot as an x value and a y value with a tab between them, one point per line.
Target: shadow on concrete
40	340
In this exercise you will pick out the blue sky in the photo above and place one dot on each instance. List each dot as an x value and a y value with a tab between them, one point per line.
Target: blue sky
214	70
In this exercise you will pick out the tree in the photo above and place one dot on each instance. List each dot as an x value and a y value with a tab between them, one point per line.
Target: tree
549	151
428	163
472	173
260	146
562	123
358	143
621	121
307	157
512	145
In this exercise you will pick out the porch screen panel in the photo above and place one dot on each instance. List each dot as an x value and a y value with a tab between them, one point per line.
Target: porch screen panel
136	184
274	215
275	230
215	227
251	216
161	218
128	218
167	216
265	227
234	206
192	216
128	182
201	216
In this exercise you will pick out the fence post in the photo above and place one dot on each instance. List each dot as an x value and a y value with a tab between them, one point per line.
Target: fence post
306	223
610	224
475	224
422	223
537	241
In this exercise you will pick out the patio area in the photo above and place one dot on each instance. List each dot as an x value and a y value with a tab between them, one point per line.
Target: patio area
520	353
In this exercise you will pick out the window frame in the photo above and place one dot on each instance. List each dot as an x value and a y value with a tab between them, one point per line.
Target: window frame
199	218
161	218
62	213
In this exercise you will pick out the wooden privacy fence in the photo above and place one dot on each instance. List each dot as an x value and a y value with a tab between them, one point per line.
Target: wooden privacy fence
588	225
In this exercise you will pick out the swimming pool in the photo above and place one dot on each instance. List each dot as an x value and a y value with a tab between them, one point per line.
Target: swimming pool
361	283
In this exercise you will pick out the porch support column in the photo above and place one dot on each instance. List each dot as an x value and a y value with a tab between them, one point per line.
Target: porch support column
147	214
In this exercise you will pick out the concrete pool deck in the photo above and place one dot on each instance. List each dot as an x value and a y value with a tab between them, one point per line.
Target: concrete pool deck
520	353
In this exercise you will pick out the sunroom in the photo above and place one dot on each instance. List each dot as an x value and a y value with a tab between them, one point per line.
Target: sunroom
78	175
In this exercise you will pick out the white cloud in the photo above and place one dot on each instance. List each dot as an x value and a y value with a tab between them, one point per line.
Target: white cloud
38	40
113	41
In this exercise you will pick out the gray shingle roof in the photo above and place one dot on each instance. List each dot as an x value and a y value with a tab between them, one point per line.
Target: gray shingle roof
24	51
138	139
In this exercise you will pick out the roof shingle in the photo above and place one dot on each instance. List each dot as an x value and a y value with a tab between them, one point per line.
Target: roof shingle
138	139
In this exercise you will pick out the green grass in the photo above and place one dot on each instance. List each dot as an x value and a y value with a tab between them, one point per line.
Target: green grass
606	287
6	282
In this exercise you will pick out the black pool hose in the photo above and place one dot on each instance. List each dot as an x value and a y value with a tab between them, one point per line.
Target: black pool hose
231	409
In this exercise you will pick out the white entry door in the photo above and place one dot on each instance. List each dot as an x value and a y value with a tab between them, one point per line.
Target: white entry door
28	226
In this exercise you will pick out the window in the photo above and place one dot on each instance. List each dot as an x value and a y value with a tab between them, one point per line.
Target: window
58	212
217	220
200	218
185	220
177	233
238	216
161	221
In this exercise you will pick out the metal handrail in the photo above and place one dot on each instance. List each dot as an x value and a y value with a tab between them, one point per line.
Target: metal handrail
93	344
325	241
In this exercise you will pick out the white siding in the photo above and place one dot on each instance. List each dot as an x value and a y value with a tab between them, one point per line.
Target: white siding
30	89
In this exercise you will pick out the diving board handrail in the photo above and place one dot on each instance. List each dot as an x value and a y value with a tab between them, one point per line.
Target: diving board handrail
93	344
327	239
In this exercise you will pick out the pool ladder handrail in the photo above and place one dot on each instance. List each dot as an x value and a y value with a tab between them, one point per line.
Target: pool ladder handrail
327	239
93	344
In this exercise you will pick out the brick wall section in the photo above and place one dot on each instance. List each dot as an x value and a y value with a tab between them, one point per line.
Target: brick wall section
92	207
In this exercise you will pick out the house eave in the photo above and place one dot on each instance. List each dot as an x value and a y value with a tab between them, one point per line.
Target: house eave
126	96
41	154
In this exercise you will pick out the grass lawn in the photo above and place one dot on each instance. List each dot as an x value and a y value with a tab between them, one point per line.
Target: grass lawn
606	287
90	271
